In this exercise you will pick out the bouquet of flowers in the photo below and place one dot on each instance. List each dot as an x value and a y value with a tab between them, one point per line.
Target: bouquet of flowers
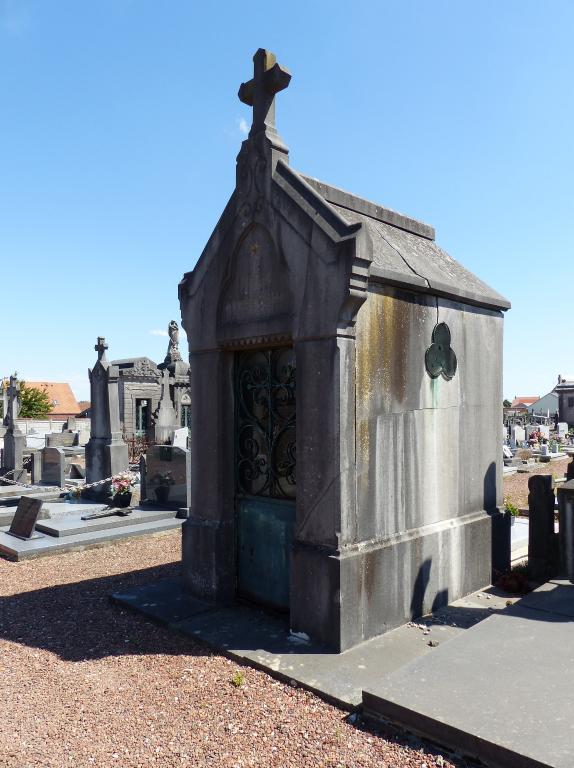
122	483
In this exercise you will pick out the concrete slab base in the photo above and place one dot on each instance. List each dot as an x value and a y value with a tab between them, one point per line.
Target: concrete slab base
65	531
501	692
264	640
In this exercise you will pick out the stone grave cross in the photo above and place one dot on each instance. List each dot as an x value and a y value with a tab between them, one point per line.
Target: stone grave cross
269	78
100	348
13	402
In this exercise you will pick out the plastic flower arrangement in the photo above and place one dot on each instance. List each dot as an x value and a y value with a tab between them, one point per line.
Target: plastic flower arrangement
122	483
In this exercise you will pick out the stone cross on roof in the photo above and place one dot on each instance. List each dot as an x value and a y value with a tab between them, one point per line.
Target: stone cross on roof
100	348
269	78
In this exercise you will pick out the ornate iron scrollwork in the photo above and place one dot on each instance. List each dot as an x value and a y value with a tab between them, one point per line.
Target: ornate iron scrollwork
265	429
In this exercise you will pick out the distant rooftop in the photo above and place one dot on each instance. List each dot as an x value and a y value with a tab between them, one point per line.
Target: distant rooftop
524	401
62	398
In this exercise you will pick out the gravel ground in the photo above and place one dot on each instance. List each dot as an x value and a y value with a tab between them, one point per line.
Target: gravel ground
85	683
516	486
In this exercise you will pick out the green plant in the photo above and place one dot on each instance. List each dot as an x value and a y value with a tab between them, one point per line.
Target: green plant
238	679
34	403
511	508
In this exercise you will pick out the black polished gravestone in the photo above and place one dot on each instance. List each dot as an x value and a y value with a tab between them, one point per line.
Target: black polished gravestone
25	519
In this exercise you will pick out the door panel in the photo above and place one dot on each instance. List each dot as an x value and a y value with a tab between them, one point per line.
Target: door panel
265	535
265	472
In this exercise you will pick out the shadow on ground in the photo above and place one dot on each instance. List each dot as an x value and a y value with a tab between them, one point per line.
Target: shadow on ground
78	623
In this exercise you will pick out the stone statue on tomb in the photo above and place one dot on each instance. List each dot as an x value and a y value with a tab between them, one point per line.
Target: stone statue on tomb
173	332
173	354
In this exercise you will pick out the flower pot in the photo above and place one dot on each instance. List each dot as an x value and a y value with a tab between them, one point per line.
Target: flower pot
121	500
162	493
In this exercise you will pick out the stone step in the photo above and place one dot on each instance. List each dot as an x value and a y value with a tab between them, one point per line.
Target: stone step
72	525
15	549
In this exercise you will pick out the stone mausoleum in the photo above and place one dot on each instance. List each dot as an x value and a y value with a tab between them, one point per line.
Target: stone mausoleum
140	387
346	399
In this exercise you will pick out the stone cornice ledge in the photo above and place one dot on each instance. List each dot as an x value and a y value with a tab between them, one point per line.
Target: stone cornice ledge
419	284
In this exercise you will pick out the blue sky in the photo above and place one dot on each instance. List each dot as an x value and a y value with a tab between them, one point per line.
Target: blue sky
120	125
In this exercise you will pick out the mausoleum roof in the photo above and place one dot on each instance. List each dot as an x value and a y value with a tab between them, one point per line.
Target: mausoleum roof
405	252
132	362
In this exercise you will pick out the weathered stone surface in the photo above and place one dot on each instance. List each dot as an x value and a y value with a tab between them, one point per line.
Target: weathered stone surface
399	475
542	545
53	467
566	527
24	521
106	452
166	418
469	693
166	476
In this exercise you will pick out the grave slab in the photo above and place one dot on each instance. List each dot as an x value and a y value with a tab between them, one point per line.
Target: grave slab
500	692
72	524
15	549
264	641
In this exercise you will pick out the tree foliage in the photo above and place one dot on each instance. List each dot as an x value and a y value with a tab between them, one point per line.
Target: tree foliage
35	403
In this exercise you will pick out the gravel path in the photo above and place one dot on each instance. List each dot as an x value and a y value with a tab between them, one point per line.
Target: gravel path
516	486
85	683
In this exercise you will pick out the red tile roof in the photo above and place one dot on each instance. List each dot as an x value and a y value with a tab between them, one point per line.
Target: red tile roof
524	401
63	400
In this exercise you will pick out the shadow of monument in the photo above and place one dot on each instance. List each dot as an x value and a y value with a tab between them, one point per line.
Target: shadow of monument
77	622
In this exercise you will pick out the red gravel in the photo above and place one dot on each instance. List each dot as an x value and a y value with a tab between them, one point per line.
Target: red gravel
516	486
85	683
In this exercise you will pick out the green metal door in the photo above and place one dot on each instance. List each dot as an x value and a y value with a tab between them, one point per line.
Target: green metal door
265	473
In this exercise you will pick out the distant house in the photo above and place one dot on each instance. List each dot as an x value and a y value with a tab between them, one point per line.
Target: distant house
545	406
521	404
565	391
84	406
62	399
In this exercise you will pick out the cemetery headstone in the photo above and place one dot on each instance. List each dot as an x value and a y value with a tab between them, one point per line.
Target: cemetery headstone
166	476
518	436
36	471
143	477
14	439
106	452
25	519
77	471
562	429
53	467
166	419
544	430
180	437
542	544
63	439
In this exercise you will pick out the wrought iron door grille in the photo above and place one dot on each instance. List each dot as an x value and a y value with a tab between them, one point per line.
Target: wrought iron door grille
265	431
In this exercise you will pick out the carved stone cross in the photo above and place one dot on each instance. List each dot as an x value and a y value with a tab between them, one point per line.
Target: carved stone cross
269	78
13	392
100	348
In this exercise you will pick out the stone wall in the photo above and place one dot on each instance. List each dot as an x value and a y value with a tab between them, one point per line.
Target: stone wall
130	391
427	468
